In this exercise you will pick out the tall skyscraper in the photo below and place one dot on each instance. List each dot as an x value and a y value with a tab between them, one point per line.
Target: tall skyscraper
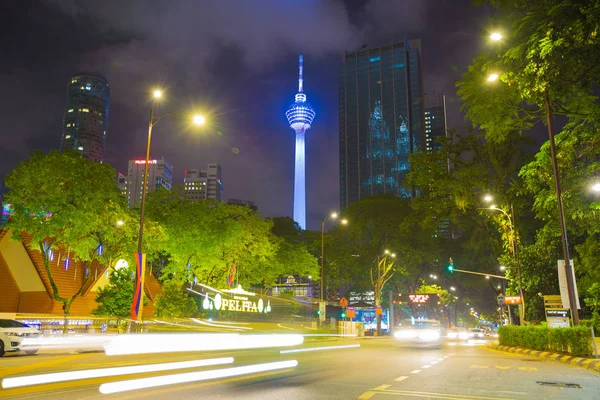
203	184
300	116
435	120
160	174
380	118
86	117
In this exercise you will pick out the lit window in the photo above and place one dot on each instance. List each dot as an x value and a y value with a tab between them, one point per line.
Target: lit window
88	88
82	88
74	81
85	110
80	148
68	137
70	110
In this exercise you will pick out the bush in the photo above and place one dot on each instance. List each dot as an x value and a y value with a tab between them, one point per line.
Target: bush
592	322
576	341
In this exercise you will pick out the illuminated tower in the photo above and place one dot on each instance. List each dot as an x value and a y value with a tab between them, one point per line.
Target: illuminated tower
300	116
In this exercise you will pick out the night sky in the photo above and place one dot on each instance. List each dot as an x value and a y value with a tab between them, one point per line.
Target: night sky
235	60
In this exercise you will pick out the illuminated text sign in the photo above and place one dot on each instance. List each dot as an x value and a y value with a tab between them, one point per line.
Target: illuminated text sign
144	161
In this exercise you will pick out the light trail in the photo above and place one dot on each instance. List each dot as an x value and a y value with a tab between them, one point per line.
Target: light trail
220	325
171	343
144	383
322	348
8	383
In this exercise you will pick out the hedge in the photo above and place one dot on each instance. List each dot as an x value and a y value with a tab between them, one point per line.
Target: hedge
576	341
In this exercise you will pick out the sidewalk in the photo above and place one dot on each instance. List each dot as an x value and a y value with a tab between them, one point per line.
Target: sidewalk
588	363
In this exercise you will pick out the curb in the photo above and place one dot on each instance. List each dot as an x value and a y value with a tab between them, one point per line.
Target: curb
588	363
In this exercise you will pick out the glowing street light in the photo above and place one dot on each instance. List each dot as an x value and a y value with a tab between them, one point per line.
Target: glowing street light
596	187
487	277
198	119
157	94
496	36
344	221
488	198
120	223
502	268
387	252
493	77
393	255
452	288
334	215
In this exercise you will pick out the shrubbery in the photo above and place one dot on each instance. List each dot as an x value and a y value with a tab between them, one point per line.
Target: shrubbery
576	340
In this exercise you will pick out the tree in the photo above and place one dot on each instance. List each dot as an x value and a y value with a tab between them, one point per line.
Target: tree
381	272
65	201
115	298
175	303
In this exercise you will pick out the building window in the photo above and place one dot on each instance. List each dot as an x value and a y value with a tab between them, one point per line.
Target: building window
70	110
85	110
68	137
80	148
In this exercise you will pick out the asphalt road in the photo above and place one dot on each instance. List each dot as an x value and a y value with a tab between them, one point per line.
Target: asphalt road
378	369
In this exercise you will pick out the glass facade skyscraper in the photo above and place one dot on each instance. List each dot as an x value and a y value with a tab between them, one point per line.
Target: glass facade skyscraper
86	117
381	119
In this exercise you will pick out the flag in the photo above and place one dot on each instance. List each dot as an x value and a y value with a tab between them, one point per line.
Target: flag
231	275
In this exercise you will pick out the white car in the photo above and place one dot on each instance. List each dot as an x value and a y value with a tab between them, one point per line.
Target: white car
422	332
12	334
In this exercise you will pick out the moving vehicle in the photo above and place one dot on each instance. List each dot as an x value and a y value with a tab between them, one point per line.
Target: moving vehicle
458	334
477	333
422	332
12	334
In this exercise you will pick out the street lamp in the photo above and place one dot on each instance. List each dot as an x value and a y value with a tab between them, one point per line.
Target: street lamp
452	288
559	202
140	258
502	268
344	221
596	187
120	223
511	223
496	36
493	77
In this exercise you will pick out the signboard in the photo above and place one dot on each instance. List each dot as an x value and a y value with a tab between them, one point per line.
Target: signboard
378	310
512	300
350	312
344	302
239	302
144	161
562	283
558	318
553	302
419	298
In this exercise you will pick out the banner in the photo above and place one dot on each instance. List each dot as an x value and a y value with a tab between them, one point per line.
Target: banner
562	283
138	295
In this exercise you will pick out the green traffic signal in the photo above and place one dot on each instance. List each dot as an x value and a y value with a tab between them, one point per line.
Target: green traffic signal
450	265
318	312
343	314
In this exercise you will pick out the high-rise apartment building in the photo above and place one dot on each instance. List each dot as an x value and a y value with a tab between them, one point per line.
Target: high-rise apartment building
380	118
160	174
435	120
86	117
203	184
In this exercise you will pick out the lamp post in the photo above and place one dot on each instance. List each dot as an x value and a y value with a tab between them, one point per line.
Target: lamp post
511	223
140	257
557	191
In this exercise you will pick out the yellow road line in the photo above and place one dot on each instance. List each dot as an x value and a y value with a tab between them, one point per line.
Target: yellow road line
382	387
12	371
366	395
437	395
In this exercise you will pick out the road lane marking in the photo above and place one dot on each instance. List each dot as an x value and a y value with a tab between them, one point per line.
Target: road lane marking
400	378
426	366
20	381
440	359
478	366
433	362
503	367
321	348
381	387
429	395
416	371
528	369
366	395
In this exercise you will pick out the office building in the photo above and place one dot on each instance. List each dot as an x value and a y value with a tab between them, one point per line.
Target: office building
380	118
122	184
239	202
300	116
160	174
435	120
203	184
86	116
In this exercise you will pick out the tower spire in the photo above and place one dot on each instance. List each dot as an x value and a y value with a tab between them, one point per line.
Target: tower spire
300	80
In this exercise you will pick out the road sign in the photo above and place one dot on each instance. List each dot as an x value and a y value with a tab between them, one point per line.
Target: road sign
512	300
350	312
344	302
501	300
378	310
553	302
558	318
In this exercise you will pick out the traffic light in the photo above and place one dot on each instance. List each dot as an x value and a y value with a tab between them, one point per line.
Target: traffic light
318	312
450	265
343	314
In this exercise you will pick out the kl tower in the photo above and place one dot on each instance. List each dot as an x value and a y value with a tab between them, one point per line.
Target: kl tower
300	116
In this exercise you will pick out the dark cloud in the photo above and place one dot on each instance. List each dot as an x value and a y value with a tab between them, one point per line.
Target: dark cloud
236	60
